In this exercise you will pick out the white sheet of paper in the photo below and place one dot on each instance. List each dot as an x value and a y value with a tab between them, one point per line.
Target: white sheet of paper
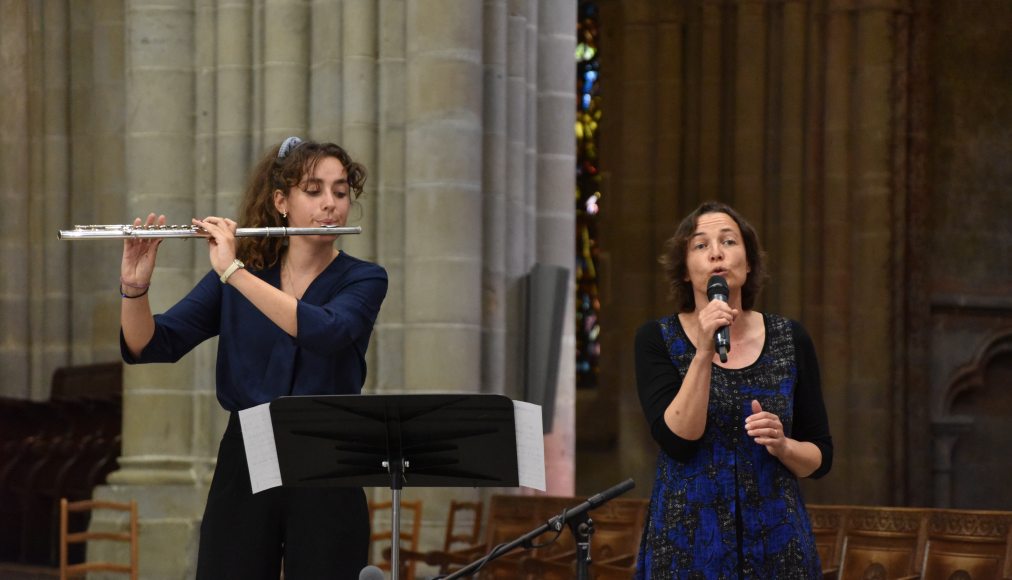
261	452
530	445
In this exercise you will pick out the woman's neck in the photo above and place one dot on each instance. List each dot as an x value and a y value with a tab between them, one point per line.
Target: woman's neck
304	256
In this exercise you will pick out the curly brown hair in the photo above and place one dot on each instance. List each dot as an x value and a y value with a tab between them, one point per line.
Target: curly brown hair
257	208
676	251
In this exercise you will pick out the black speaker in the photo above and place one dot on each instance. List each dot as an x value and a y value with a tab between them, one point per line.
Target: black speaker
546	299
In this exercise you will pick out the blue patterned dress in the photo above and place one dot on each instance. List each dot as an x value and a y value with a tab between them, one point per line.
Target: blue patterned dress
731	510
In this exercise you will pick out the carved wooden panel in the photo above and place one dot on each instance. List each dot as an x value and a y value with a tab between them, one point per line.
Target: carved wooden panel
827	526
967	545
882	542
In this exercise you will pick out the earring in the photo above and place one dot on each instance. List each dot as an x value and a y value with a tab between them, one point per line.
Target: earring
284	214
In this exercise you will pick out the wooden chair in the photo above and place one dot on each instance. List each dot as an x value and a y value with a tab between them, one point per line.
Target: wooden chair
66	538
828	523
463	526
411	528
968	544
509	517
618	527
882	543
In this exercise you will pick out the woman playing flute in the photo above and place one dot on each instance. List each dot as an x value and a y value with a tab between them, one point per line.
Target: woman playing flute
293	317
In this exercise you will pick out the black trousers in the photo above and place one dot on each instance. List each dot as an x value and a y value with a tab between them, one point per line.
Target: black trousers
316	532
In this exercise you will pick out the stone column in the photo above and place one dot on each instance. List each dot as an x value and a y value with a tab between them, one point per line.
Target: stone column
443	197
750	107
286	50
388	181
51	257
15	43
233	103
789	170
329	28
358	116
443	158
556	218
628	269
834	346
495	239
158	466
871	345
98	175
518	238
531	55
711	97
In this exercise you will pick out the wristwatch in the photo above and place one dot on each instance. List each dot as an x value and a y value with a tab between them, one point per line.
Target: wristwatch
235	265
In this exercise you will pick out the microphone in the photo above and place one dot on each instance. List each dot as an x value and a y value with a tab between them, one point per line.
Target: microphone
371	573
716	289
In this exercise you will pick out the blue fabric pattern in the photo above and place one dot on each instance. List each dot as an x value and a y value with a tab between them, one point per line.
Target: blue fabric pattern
733	510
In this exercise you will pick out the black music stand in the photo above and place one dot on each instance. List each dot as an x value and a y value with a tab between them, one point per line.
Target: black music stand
458	440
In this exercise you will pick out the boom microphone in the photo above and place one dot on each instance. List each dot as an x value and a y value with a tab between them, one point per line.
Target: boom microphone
716	289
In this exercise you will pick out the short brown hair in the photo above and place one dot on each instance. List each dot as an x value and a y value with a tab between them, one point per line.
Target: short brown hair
676	249
257	209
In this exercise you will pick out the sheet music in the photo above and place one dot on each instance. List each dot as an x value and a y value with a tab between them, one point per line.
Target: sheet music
530	445
261	452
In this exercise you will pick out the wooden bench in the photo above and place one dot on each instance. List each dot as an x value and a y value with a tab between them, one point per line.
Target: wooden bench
857	542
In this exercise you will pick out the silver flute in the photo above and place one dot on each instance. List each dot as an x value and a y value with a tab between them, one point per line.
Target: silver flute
124	231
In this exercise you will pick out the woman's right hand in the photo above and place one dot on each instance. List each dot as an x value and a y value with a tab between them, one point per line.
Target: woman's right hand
139	255
713	316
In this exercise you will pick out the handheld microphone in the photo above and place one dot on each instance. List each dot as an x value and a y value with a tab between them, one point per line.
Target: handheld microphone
716	289
371	573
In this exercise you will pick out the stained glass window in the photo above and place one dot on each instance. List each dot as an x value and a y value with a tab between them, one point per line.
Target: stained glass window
588	193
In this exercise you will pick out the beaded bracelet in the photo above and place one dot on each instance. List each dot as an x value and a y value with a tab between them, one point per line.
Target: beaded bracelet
123	283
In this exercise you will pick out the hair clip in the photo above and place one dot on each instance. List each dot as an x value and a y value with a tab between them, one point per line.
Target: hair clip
287	146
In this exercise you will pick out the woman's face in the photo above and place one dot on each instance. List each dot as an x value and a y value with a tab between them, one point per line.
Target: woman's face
716	248
323	198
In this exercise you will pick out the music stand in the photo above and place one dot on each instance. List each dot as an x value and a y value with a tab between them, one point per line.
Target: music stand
456	440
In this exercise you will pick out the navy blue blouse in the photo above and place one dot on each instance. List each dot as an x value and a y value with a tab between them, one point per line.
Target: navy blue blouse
257	361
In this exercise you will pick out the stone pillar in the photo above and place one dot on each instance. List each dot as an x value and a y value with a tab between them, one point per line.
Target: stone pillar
556	218
834	346
443	153
51	299
97	175
358	113
286	50
789	170
495	239
233	103
443	197
750	108
15	49
517	237
329	28
159	467
628	269
711	98
388	181
871	340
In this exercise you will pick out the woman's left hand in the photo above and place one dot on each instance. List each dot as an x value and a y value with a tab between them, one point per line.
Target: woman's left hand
221	241
766	429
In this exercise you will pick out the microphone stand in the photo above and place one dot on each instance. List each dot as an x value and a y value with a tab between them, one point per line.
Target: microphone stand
576	518
583	528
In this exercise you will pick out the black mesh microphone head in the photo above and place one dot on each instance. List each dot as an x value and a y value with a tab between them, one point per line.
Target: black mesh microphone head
716	285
